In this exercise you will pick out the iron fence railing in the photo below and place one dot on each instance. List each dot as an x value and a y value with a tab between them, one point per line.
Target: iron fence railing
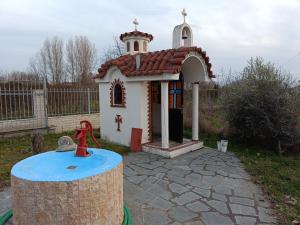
27	104
71	101
15	105
16	98
22	104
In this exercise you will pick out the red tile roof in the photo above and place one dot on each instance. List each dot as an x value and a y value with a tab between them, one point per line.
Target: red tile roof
154	63
136	33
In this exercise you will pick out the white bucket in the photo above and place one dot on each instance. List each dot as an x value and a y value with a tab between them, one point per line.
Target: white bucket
219	145
224	144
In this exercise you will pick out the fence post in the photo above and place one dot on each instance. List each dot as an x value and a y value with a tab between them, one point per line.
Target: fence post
89	101
45	101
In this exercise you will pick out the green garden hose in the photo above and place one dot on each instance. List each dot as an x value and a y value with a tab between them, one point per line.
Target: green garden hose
5	217
127	216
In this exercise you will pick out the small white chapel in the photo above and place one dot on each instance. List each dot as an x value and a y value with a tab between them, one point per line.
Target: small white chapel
144	89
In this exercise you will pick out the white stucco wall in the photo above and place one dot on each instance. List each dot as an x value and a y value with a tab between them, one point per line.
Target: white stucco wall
156	118
135	115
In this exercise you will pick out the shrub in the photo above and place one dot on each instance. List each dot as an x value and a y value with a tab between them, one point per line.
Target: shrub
263	105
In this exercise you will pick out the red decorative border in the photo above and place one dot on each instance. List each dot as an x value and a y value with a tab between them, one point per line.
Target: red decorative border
113	84
149	111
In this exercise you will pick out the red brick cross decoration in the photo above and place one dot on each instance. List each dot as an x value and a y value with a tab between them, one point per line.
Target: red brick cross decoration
118	120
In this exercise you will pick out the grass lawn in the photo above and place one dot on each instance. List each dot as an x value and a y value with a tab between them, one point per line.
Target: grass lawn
13	150
278	175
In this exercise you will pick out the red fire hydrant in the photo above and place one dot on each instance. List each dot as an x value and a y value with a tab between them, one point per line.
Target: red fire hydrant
80	135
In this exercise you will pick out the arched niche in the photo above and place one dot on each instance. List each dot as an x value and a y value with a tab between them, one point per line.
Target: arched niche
186	36
117	94
136	46
194	70
128	46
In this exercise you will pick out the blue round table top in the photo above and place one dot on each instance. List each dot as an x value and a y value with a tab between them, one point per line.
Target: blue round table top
65	166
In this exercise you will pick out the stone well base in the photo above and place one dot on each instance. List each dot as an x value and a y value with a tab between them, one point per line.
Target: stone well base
96	200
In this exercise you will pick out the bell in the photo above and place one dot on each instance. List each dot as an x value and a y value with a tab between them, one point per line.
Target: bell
184	34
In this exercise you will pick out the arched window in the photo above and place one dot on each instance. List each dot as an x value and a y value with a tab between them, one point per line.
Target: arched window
117	94
144	46
136	46
128	46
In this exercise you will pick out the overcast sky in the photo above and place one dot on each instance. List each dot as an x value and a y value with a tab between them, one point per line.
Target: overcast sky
231	31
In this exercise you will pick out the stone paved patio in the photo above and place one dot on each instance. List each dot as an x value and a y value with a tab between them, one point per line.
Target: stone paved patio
202	187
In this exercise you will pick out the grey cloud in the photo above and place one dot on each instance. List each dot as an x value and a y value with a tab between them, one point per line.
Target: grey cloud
230	31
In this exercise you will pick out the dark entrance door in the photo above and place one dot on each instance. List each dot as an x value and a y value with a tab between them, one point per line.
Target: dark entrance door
176	125
176	110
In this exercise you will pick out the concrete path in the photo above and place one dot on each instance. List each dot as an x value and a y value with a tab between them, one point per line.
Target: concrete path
202	187
205	187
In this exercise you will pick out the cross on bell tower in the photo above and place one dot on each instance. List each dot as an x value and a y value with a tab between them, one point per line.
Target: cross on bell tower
136	23
184	14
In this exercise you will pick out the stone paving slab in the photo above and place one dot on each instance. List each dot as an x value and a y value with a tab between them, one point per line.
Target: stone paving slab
204	187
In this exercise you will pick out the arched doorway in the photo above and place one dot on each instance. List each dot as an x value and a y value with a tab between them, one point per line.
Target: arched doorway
181	102
192	71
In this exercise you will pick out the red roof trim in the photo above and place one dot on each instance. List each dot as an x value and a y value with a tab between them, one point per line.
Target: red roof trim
136	34
154	63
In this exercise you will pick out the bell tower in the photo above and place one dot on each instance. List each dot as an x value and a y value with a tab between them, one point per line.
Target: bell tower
136	41
182	34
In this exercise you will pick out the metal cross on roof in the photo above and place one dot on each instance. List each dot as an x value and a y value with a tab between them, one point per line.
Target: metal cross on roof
184	13
135	22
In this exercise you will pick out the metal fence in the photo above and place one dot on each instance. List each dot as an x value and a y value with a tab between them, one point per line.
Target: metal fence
16	99
72	101
22	104
26	104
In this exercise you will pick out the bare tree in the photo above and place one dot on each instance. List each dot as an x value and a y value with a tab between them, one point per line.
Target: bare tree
18	75
71	66
80	59
115	51
38	66
21	75
49	61
52	54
